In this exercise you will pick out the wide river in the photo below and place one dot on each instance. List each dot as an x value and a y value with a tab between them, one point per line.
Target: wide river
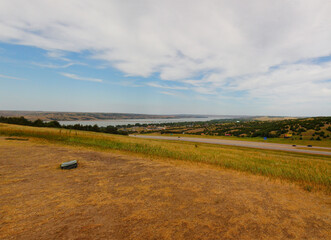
115	122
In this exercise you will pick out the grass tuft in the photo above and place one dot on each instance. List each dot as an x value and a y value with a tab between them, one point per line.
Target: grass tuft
308	188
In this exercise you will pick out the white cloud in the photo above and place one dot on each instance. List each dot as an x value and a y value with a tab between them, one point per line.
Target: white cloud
216	47
74	76
287	78
10	77
156	85
50	65
56	54
168	93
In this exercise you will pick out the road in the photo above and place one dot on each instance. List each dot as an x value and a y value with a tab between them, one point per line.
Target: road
261	145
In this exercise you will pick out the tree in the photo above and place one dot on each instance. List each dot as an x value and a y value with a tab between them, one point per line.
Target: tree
38	123
111	129
95	128
53	124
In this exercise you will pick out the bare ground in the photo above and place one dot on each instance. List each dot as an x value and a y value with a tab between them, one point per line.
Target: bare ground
112	196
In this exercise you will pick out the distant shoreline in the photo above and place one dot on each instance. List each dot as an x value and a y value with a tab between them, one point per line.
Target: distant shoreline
89	116
115	119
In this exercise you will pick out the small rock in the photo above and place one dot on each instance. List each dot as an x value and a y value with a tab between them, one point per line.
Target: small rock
69	165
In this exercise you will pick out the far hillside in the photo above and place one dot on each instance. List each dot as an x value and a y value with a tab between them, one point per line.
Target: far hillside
88	116
316	128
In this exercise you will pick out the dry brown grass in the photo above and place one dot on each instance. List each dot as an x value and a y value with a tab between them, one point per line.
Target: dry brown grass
111	196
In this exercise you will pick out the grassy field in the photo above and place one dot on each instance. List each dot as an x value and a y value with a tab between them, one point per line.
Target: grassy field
323	143
309	171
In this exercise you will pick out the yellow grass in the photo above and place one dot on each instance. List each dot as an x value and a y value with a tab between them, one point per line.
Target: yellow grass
304	169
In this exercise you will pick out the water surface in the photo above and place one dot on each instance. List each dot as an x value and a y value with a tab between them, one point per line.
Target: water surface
115	122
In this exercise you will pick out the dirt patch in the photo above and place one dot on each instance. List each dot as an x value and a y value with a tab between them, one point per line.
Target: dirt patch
120	197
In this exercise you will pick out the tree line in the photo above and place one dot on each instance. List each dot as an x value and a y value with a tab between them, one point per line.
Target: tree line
319	126
55	124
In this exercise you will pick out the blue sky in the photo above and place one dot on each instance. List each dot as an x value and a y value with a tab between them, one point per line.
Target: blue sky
210	57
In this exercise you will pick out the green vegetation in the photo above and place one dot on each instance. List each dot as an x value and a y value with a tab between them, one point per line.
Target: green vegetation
303	169
314	129
320	126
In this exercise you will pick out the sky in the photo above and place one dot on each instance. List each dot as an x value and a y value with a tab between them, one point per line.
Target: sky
229	57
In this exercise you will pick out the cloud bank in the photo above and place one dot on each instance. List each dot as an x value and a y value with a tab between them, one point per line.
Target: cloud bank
272	51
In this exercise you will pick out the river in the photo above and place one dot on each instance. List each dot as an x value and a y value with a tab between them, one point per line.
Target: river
115	122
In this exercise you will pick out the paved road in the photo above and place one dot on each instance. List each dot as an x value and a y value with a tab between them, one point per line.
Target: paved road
262	145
